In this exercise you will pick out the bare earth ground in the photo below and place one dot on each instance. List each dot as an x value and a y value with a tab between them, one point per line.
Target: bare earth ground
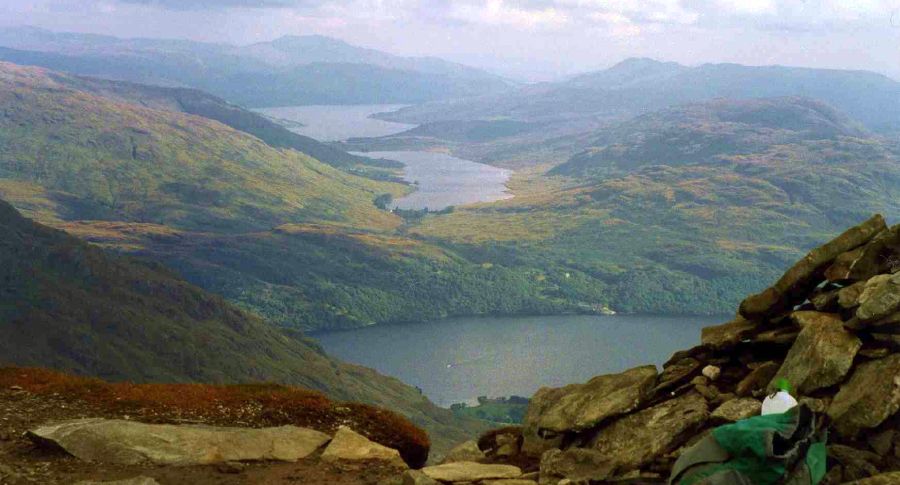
21	462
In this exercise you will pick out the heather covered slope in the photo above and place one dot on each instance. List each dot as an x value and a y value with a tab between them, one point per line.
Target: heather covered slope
69	305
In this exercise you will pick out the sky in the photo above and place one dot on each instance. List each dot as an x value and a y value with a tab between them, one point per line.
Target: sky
524	39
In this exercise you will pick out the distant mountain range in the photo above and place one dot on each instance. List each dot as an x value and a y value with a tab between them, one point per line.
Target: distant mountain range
287	71
637	86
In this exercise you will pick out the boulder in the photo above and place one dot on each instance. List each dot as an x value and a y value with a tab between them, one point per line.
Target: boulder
820	357
467	471
579	465
757	379
582	406
870	396
636	439
348	445
736	410
728	334
856	464
509	481
132	443
677	373
880	298
467	451
711	372
416	477
793	287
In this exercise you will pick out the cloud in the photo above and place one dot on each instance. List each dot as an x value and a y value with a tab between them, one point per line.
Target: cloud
223	4
499	12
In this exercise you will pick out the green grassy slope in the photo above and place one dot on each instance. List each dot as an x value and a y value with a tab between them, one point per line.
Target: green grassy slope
685	210
69	305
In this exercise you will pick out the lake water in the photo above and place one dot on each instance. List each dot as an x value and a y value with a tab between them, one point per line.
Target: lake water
441	180
457	360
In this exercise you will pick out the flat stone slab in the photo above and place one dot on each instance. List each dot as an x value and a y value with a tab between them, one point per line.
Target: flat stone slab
127	481
350	445
467	471
131	443
821	356
736	410
581	406
467	451
870	396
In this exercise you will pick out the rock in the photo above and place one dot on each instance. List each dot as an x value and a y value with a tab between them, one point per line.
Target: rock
729	334
128	481
779	336
508	444
711	372
796	283
870	396
882	442
820	357
416	477
230	467
880	298
856	464
736	410
848	297
757	379
676	374
132	443
634	440
579	465
892	478
580	406
352	446
825	301
467	451
509	481
866	261
467	471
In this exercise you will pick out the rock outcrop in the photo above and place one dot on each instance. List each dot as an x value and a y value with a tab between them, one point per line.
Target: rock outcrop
830	326
131	443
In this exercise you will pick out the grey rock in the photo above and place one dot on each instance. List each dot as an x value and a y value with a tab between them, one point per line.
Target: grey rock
579	465
634	440
757	379
871	395
736	410
848	297
867	261
352	446
820	357
728	334
130	443
416	477
880	298
796	283
467	451
467	471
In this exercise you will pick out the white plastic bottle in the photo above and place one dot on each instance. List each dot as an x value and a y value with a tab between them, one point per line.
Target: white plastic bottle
781	401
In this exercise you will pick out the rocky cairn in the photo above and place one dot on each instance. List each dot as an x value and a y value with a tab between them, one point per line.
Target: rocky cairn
830	326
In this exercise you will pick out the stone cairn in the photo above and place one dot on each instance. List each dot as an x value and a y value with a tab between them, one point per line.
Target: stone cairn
830	326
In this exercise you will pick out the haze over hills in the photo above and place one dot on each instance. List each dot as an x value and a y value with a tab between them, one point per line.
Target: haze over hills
288	71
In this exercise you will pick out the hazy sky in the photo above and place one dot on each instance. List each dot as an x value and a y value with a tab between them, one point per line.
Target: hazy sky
536	39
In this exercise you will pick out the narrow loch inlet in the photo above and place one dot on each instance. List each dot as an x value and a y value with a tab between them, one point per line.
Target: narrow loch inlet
440	180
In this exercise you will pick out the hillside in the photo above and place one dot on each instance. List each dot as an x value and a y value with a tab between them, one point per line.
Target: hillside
287	71
68	305
280	233
686	208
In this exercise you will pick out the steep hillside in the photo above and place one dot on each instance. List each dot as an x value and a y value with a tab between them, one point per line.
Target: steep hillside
287	71
68	305
101	158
